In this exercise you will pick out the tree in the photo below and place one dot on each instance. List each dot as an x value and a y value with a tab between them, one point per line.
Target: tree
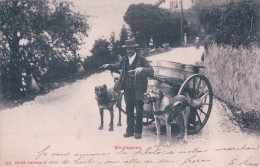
193	28
208	3
123	36
114	46
143	20
234	23
101	53
169	29
148	21
112	42
34	32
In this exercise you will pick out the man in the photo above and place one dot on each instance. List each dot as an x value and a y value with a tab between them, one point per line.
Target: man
133	80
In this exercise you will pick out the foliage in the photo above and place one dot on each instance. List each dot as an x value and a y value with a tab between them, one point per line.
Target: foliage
114	46
143	20
193	28
105	52
35	33
101	53
148	21
208	3
235	23
89	64
168	30
123	36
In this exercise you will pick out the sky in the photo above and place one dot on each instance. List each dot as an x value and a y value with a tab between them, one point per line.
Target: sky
106	16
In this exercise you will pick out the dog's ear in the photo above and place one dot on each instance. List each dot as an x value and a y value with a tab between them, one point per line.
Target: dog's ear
161	93
105	86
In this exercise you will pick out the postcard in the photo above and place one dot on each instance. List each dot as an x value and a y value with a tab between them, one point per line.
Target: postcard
64	127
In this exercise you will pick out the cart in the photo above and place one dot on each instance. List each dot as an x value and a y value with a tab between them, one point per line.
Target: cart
180	79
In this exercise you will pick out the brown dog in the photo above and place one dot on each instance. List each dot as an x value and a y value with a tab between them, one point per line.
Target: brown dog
168	109
107	99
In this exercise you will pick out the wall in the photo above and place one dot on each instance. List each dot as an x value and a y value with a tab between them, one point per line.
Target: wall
235	76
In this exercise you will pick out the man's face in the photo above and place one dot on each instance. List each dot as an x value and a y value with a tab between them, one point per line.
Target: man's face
130	51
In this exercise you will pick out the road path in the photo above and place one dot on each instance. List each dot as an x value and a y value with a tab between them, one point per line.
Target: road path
67	120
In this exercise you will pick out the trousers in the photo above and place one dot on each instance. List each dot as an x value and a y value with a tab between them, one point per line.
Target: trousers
133	125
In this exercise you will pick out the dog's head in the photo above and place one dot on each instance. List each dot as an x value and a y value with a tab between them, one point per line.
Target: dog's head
153	95
101	90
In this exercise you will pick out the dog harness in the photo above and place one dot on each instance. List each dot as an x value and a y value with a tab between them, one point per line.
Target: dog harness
175	102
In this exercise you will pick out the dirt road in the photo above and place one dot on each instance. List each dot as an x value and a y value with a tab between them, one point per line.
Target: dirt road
61	129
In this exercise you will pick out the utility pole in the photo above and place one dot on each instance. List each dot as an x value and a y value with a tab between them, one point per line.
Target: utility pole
181	35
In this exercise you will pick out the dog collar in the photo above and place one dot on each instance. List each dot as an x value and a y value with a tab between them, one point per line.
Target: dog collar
160	112
151	100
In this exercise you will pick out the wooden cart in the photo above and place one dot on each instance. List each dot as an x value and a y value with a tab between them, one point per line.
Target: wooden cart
175	79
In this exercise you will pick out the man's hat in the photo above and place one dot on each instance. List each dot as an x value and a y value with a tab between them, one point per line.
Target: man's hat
130	43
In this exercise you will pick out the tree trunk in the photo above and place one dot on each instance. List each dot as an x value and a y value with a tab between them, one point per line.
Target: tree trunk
15	72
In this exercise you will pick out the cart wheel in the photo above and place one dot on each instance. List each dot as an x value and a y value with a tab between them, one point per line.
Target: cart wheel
147	121
196	86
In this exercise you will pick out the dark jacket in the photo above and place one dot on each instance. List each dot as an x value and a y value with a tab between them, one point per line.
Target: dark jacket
141	80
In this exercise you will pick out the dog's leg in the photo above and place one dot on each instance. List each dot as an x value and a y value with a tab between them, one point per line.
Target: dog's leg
180	123
158	128
186	113
119	108
169	130
101	112
111	124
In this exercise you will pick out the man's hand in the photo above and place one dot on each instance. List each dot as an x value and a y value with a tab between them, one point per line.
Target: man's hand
137	71
105	66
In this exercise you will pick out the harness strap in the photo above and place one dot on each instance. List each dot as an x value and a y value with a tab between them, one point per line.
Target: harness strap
160	112
169	108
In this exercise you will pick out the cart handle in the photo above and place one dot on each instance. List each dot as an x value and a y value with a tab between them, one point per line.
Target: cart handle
200	66
153	77
150	76
162	80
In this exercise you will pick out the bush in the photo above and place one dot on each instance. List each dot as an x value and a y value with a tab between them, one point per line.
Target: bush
89	64
34	32
235	23
101	53
60	69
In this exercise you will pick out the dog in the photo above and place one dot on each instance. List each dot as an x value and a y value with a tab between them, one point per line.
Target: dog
167	109
107	99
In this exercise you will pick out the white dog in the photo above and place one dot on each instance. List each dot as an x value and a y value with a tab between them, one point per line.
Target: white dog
168	109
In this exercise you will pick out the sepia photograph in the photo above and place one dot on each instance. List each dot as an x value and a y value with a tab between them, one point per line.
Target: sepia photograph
135	83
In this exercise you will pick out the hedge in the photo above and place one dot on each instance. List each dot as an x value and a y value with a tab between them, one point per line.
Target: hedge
236	23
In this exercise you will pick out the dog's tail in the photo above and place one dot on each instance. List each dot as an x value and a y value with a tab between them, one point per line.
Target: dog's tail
197	103
180	100
177	103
